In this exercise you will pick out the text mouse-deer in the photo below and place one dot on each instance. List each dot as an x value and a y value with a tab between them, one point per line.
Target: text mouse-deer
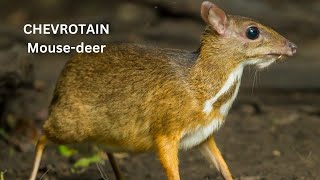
136	98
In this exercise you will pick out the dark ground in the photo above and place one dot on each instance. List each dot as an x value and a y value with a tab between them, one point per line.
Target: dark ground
271	133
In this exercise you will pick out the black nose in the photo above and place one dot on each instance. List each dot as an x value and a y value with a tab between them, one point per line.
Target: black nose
293	47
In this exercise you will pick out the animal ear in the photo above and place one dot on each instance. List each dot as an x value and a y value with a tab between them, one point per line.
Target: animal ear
214	16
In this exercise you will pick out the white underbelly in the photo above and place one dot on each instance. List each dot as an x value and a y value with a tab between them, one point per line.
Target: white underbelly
197	136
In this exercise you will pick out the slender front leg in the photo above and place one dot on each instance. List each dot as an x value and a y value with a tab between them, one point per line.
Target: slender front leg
167	149
210	150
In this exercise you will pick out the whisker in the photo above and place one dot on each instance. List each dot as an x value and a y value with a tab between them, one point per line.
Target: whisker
258	79
254	81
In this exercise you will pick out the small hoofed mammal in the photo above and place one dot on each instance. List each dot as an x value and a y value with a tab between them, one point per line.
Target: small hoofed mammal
136	98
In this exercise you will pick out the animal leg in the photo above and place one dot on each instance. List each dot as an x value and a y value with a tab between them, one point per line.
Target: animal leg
37	158
167	149
115	167
210	150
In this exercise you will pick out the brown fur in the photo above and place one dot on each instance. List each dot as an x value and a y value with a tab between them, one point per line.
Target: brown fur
122	98
139	98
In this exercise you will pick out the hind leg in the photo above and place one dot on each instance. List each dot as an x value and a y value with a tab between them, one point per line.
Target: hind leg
37	158
115	167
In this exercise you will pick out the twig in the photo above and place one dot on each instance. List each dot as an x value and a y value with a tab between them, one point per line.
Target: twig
44	174
102	173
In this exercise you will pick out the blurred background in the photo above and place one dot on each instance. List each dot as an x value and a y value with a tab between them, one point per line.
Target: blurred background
272	131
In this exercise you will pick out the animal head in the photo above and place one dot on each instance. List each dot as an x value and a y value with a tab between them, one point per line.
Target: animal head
243	39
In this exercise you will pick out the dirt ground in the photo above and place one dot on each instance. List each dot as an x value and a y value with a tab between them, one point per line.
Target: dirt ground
268	135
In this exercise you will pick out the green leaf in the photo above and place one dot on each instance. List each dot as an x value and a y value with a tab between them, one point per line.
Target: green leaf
85	162
65	151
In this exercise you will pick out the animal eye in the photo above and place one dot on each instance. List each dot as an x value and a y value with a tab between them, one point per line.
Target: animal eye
252	32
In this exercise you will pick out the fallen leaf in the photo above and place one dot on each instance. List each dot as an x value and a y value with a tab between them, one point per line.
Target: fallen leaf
65	151
85	162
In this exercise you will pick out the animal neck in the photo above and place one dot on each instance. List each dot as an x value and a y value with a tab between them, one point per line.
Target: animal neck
216	75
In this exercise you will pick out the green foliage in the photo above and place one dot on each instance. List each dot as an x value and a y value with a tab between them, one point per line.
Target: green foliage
86	161
65	151
83	162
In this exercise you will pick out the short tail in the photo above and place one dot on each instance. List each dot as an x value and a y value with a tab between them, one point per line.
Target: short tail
38	154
